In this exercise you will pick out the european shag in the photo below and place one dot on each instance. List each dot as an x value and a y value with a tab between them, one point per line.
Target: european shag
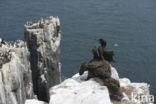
108	55
97	67
102	42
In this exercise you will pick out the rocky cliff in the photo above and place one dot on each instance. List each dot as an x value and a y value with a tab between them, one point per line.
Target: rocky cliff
15	74
32	67
43	40
76	90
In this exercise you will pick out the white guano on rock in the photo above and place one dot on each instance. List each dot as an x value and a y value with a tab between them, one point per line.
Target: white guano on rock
43	39
34	101
77	90
15	74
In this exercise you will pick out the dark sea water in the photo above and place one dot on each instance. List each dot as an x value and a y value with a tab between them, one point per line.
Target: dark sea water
129	23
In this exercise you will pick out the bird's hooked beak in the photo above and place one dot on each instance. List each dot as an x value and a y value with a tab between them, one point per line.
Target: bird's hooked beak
97	40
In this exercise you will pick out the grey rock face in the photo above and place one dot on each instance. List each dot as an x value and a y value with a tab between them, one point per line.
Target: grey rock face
43	40
15	74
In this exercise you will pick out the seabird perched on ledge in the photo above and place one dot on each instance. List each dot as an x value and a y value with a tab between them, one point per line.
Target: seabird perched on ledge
108	55
102	42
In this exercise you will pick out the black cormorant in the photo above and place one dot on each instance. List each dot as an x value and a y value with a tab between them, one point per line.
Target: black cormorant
102	42
108	55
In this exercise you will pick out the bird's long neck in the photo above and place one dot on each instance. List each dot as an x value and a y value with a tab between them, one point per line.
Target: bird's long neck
100	51
103	45
95	54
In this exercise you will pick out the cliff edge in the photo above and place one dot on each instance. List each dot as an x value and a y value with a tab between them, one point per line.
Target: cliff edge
77	90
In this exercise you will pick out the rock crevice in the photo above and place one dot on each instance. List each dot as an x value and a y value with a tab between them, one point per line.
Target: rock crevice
29	68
